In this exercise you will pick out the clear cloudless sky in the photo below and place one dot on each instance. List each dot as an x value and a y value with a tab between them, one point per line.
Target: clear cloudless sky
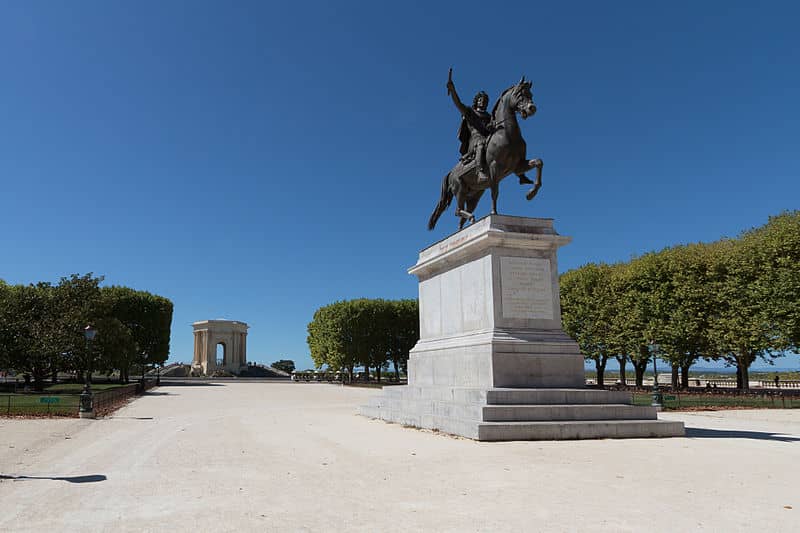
257	160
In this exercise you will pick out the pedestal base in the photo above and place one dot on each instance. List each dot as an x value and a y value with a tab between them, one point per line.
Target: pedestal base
86	414
492	362
502	414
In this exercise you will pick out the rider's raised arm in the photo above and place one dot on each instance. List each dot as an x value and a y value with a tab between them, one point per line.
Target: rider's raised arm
451	90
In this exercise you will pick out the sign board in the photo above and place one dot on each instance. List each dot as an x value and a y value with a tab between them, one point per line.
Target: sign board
49	399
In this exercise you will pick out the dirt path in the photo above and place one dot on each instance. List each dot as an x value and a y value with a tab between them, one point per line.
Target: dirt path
286	457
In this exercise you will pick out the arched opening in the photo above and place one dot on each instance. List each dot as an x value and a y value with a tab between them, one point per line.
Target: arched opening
222	354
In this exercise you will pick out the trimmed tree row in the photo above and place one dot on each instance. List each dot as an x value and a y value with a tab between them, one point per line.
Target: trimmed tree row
734	300
372	333
41	328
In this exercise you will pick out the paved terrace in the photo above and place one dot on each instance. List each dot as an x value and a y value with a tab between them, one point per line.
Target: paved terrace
295	457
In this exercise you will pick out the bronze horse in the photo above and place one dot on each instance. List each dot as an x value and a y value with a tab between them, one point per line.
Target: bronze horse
505	154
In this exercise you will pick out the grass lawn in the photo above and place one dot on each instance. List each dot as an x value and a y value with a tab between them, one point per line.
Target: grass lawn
32	404
61	399
674	400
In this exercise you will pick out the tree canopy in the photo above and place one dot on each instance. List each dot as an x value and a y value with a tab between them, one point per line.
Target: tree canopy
366	332
42	327
733	300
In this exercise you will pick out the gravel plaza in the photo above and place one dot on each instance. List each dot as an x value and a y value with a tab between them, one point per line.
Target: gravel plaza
296	457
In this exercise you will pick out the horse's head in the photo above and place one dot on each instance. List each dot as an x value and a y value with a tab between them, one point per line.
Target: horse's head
521	99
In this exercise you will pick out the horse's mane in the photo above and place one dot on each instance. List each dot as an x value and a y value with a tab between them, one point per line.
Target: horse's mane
497	103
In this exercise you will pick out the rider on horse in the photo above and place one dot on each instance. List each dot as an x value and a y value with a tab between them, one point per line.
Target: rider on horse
475	129
476	126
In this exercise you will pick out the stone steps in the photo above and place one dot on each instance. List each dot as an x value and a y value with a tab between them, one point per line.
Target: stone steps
578	429
535	413
556	396
520	414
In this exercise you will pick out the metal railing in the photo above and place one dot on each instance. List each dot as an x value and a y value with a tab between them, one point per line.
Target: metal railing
721	398
66	404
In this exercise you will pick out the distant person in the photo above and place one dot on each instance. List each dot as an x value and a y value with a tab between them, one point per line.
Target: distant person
708	385
777	381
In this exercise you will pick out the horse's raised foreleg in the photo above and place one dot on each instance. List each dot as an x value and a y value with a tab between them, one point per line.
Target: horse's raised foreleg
523	179
537	164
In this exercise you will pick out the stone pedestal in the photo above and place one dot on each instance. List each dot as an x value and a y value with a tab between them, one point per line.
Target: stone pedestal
492	362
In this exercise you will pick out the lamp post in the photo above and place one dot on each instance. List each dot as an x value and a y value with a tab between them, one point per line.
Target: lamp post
658	399
86	409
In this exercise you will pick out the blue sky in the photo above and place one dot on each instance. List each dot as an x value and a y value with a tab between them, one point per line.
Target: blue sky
255	160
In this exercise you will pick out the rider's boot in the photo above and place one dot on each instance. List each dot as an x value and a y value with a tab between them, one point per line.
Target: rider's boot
525	180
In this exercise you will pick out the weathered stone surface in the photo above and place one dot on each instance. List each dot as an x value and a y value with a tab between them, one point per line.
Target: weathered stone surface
492	362
231	334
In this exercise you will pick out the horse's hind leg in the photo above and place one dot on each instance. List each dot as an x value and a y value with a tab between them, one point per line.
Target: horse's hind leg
461	212
495	194
472	203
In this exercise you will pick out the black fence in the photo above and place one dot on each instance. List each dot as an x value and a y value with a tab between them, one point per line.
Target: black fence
66	404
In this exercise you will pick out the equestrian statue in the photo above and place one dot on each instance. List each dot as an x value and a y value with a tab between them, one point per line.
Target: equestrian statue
491	148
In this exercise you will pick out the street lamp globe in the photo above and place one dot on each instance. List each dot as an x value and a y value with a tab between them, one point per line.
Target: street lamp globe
89	332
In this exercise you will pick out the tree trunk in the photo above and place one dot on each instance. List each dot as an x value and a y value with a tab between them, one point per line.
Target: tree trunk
378	372
38	380
743	372
622	362
674	382
685	375
396	370
639	369
600	366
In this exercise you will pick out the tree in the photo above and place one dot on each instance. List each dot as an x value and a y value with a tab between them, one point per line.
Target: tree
6	332
148	319
363	332
42	327
77	302
330	338
32	340
641	309
588	307
742	327
777	252
284	365
403	333
684	335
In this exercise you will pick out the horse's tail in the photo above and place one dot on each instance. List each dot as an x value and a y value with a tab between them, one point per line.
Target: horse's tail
444	202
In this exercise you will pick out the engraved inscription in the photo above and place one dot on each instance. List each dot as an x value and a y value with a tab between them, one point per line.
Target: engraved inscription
527	288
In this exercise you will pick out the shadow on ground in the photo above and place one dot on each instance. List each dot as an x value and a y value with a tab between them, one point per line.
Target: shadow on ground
704	433
71	479
179	383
